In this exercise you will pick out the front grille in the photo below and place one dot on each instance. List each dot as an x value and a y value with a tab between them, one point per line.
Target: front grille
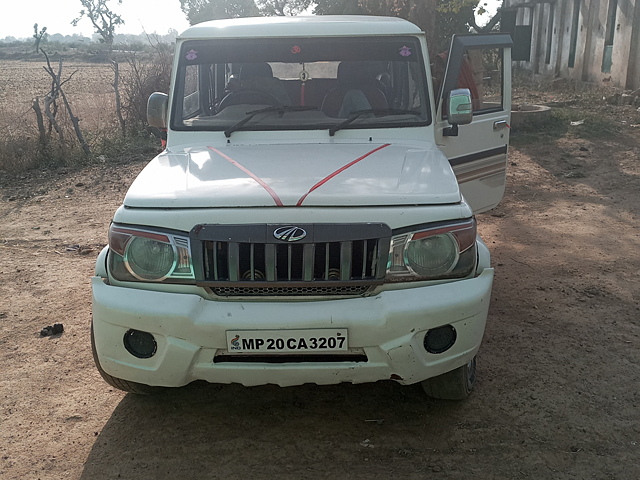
332	259
301	290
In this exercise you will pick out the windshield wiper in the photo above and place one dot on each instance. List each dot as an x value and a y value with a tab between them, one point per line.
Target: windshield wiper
375	111
280	110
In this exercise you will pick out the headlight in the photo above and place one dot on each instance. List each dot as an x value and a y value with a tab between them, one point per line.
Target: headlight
149	256
440	251
149	259
432	256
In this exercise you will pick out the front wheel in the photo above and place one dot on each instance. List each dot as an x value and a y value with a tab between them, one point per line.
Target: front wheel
119	383
454	385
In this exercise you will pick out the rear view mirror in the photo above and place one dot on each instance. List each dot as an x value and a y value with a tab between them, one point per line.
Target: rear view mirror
460	111
157	106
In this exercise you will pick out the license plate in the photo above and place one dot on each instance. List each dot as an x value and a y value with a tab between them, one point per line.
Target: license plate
287	341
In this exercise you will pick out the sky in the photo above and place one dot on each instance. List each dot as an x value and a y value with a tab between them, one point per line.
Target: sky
152	16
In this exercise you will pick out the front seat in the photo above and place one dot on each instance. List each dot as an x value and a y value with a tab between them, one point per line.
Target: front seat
259	76
361	78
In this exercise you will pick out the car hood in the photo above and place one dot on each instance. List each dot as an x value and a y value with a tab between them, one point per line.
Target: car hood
334	175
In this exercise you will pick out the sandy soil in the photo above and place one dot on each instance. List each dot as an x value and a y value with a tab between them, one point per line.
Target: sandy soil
557	395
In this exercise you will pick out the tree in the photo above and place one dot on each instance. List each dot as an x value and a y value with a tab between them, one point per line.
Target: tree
340	7
457	16
201	10
270	8
491	24
104	19
438	18
420	12
39	36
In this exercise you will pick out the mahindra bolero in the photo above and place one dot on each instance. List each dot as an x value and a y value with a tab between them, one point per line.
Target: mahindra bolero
312	216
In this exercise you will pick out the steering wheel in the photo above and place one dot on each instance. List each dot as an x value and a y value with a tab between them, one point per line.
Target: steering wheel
251	97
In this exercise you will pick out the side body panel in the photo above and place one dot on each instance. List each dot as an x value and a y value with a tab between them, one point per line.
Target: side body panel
478	153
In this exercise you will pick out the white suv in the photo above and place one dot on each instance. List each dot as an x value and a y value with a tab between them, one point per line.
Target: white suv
312	217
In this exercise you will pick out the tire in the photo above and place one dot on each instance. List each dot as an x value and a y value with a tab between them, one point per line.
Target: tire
454	385
120	384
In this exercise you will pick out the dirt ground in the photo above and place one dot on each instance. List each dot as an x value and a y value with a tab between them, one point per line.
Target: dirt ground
557	395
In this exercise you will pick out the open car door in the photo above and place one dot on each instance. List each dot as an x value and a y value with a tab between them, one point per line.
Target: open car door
477	151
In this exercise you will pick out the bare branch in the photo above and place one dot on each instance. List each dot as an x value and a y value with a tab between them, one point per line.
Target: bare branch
116	88
57	90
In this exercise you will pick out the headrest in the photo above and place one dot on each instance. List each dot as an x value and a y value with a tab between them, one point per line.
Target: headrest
253	70
357	73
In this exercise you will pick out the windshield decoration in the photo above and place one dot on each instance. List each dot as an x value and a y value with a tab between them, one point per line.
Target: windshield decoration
405	51
295	49
191	55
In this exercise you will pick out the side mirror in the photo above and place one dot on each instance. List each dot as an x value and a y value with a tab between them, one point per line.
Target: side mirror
157	107
460	110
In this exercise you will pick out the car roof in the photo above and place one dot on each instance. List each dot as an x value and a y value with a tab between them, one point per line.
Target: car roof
301	26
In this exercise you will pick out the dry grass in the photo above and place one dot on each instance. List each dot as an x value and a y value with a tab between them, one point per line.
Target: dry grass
578	110
90	93
89	89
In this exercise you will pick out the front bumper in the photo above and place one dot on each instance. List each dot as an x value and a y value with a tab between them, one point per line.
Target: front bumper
190	331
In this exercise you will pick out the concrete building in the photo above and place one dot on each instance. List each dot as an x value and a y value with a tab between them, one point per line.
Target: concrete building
584	40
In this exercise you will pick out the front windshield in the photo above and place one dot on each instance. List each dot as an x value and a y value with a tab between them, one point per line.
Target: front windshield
313	83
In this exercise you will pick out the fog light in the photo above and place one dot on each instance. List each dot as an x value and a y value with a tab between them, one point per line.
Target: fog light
440	339
140	344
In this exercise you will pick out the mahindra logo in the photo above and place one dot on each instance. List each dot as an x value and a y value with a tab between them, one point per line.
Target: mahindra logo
289	233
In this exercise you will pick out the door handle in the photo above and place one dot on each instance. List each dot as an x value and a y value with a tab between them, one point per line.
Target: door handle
499	125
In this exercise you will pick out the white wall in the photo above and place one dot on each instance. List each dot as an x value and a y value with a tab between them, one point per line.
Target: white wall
625	69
